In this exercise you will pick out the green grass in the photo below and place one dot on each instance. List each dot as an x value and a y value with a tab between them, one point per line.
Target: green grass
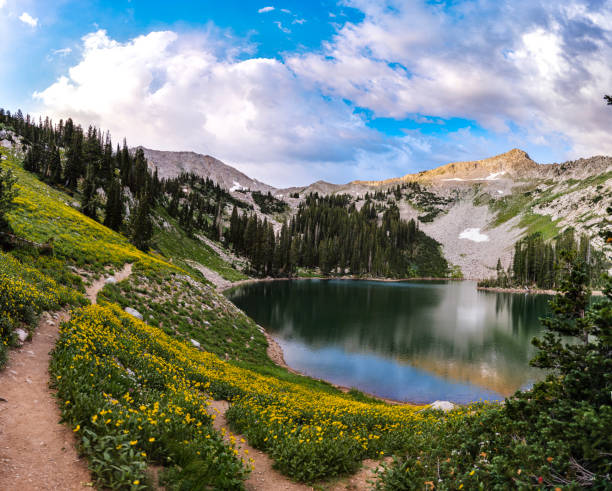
190	310
543	224
176	244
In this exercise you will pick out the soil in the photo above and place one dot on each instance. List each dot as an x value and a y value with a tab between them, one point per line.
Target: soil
36	451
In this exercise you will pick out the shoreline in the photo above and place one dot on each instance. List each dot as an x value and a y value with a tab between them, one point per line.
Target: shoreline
268	279
530	291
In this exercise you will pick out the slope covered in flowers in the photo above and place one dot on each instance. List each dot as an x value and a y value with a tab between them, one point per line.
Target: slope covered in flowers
26	291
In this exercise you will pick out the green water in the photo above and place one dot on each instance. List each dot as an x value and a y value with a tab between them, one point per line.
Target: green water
411	341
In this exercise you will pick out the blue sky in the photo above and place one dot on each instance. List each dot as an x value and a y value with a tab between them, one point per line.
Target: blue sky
291	92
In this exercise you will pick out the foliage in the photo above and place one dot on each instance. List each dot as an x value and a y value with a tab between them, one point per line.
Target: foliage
141	223
197	203
24	293
121	374
189	251
42	213
537	262
269	204
7	198
130	407
190	310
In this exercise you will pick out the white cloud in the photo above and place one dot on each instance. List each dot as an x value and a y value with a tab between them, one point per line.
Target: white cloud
279	24
28	19
263	10
539	67
2	3
532	74
174	92
62	52
286	11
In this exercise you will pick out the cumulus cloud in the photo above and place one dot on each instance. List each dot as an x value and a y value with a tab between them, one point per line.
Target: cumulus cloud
28	19
175	92
263	10
2	3
540	66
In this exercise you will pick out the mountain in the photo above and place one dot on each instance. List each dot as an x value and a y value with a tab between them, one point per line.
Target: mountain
477	210
171	164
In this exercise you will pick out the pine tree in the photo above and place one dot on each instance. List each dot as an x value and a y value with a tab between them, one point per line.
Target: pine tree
114	210
55	166
74	160
89	197
142	224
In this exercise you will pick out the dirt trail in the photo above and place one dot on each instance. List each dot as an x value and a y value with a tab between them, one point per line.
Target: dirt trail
265	478
36	451
93	290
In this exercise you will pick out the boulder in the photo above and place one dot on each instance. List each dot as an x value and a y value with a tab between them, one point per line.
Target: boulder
442	406
21	334
195	343
110	281
133	312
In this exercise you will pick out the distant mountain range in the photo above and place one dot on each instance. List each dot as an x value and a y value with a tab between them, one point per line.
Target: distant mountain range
476	210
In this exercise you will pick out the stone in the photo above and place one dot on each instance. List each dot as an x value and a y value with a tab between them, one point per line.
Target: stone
110	281
195	343
133	312
442	406
21	334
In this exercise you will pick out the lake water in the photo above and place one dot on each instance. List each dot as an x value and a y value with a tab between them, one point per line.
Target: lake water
408	341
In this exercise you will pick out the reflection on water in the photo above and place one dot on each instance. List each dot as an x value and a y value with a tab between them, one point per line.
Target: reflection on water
416	341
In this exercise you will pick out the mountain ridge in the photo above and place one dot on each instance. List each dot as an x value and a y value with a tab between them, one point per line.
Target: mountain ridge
476	210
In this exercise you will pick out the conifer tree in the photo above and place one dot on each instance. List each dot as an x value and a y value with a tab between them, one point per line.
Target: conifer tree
74	160
142	225
114	210
89	198
55	166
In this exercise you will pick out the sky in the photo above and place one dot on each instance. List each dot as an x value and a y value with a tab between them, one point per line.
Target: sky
291	92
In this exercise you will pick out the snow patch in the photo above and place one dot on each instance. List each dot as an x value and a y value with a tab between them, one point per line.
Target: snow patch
474	235
494	176
236	187
454	179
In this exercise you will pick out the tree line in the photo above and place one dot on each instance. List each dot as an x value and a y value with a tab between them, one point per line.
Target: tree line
535	262
330	233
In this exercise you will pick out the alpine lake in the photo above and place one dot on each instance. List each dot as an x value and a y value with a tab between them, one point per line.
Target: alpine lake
413	341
